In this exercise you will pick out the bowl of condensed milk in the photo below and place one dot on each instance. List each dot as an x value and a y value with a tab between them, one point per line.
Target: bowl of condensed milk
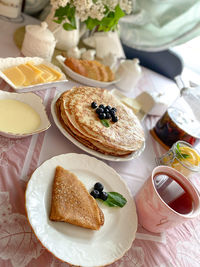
22	115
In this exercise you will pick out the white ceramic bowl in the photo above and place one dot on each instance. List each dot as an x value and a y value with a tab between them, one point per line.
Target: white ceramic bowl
36	103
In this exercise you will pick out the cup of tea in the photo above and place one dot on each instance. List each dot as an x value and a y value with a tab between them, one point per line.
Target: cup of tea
166	200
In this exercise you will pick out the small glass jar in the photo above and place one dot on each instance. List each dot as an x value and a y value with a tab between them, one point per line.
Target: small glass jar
182	157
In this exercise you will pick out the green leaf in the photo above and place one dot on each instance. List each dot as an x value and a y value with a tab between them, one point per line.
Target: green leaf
105	123
179	154
109	22
68	27
115	200
119	13
185	156
91	23
63	13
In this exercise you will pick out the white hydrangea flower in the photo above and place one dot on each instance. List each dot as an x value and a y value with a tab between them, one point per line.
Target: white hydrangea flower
59	3
95	10
126	5
111	4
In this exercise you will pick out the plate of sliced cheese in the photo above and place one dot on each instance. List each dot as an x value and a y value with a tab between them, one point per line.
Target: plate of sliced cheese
64	217
25	74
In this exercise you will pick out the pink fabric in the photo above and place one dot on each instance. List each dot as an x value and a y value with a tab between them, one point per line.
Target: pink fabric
20	157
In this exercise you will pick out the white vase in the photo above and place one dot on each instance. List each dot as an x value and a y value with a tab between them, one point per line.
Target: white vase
65	39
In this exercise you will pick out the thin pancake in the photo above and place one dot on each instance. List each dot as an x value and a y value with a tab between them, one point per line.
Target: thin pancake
126	134
72	203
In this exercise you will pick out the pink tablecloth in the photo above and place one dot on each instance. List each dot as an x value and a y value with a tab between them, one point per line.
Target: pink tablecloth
20	157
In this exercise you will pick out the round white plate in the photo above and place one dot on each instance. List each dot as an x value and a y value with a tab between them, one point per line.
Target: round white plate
74	244
86	149
82	79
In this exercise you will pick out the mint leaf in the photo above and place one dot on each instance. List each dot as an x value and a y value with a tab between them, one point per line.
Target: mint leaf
115	200
105	123
179	154
185	156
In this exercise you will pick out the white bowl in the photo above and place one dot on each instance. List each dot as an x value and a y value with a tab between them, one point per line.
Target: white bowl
35	102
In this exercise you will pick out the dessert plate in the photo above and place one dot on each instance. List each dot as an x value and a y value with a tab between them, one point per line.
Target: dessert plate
11	62
33	101
82	79
73	244
86	149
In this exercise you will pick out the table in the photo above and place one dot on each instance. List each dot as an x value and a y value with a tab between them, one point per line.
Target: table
20	157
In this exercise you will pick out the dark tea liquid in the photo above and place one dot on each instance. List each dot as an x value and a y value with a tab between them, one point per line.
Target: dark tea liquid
173	194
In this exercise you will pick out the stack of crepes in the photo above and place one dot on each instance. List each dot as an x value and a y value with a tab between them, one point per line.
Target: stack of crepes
81	121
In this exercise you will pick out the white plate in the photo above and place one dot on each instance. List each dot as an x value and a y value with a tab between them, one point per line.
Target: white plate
36	103
70	243
82	79
11	62
84	148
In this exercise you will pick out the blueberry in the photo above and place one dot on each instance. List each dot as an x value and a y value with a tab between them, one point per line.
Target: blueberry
101	106
94	105
114	109
108	116
114	118
95	193
103	195
102	116
108	107
106	110
98	186
99	110
112	112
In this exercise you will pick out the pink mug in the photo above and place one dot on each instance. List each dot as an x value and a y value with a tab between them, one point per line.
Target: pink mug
166	199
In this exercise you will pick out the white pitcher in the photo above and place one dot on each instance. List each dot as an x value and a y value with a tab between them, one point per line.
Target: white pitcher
129	72
65	39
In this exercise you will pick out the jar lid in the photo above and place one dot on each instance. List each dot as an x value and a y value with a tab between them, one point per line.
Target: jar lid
41	32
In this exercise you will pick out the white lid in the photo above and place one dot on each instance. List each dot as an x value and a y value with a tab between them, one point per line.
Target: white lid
41	32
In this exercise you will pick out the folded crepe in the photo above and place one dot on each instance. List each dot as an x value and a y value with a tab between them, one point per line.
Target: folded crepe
72	203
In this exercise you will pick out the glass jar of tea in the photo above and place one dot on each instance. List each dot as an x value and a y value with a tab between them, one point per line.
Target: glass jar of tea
181	121
182	157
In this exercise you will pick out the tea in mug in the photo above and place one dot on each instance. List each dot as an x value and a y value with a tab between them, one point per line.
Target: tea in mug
173	194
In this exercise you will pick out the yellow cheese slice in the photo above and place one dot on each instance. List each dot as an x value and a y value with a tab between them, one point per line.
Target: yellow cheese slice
30	74
47	75
56	74
15	75
34	68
